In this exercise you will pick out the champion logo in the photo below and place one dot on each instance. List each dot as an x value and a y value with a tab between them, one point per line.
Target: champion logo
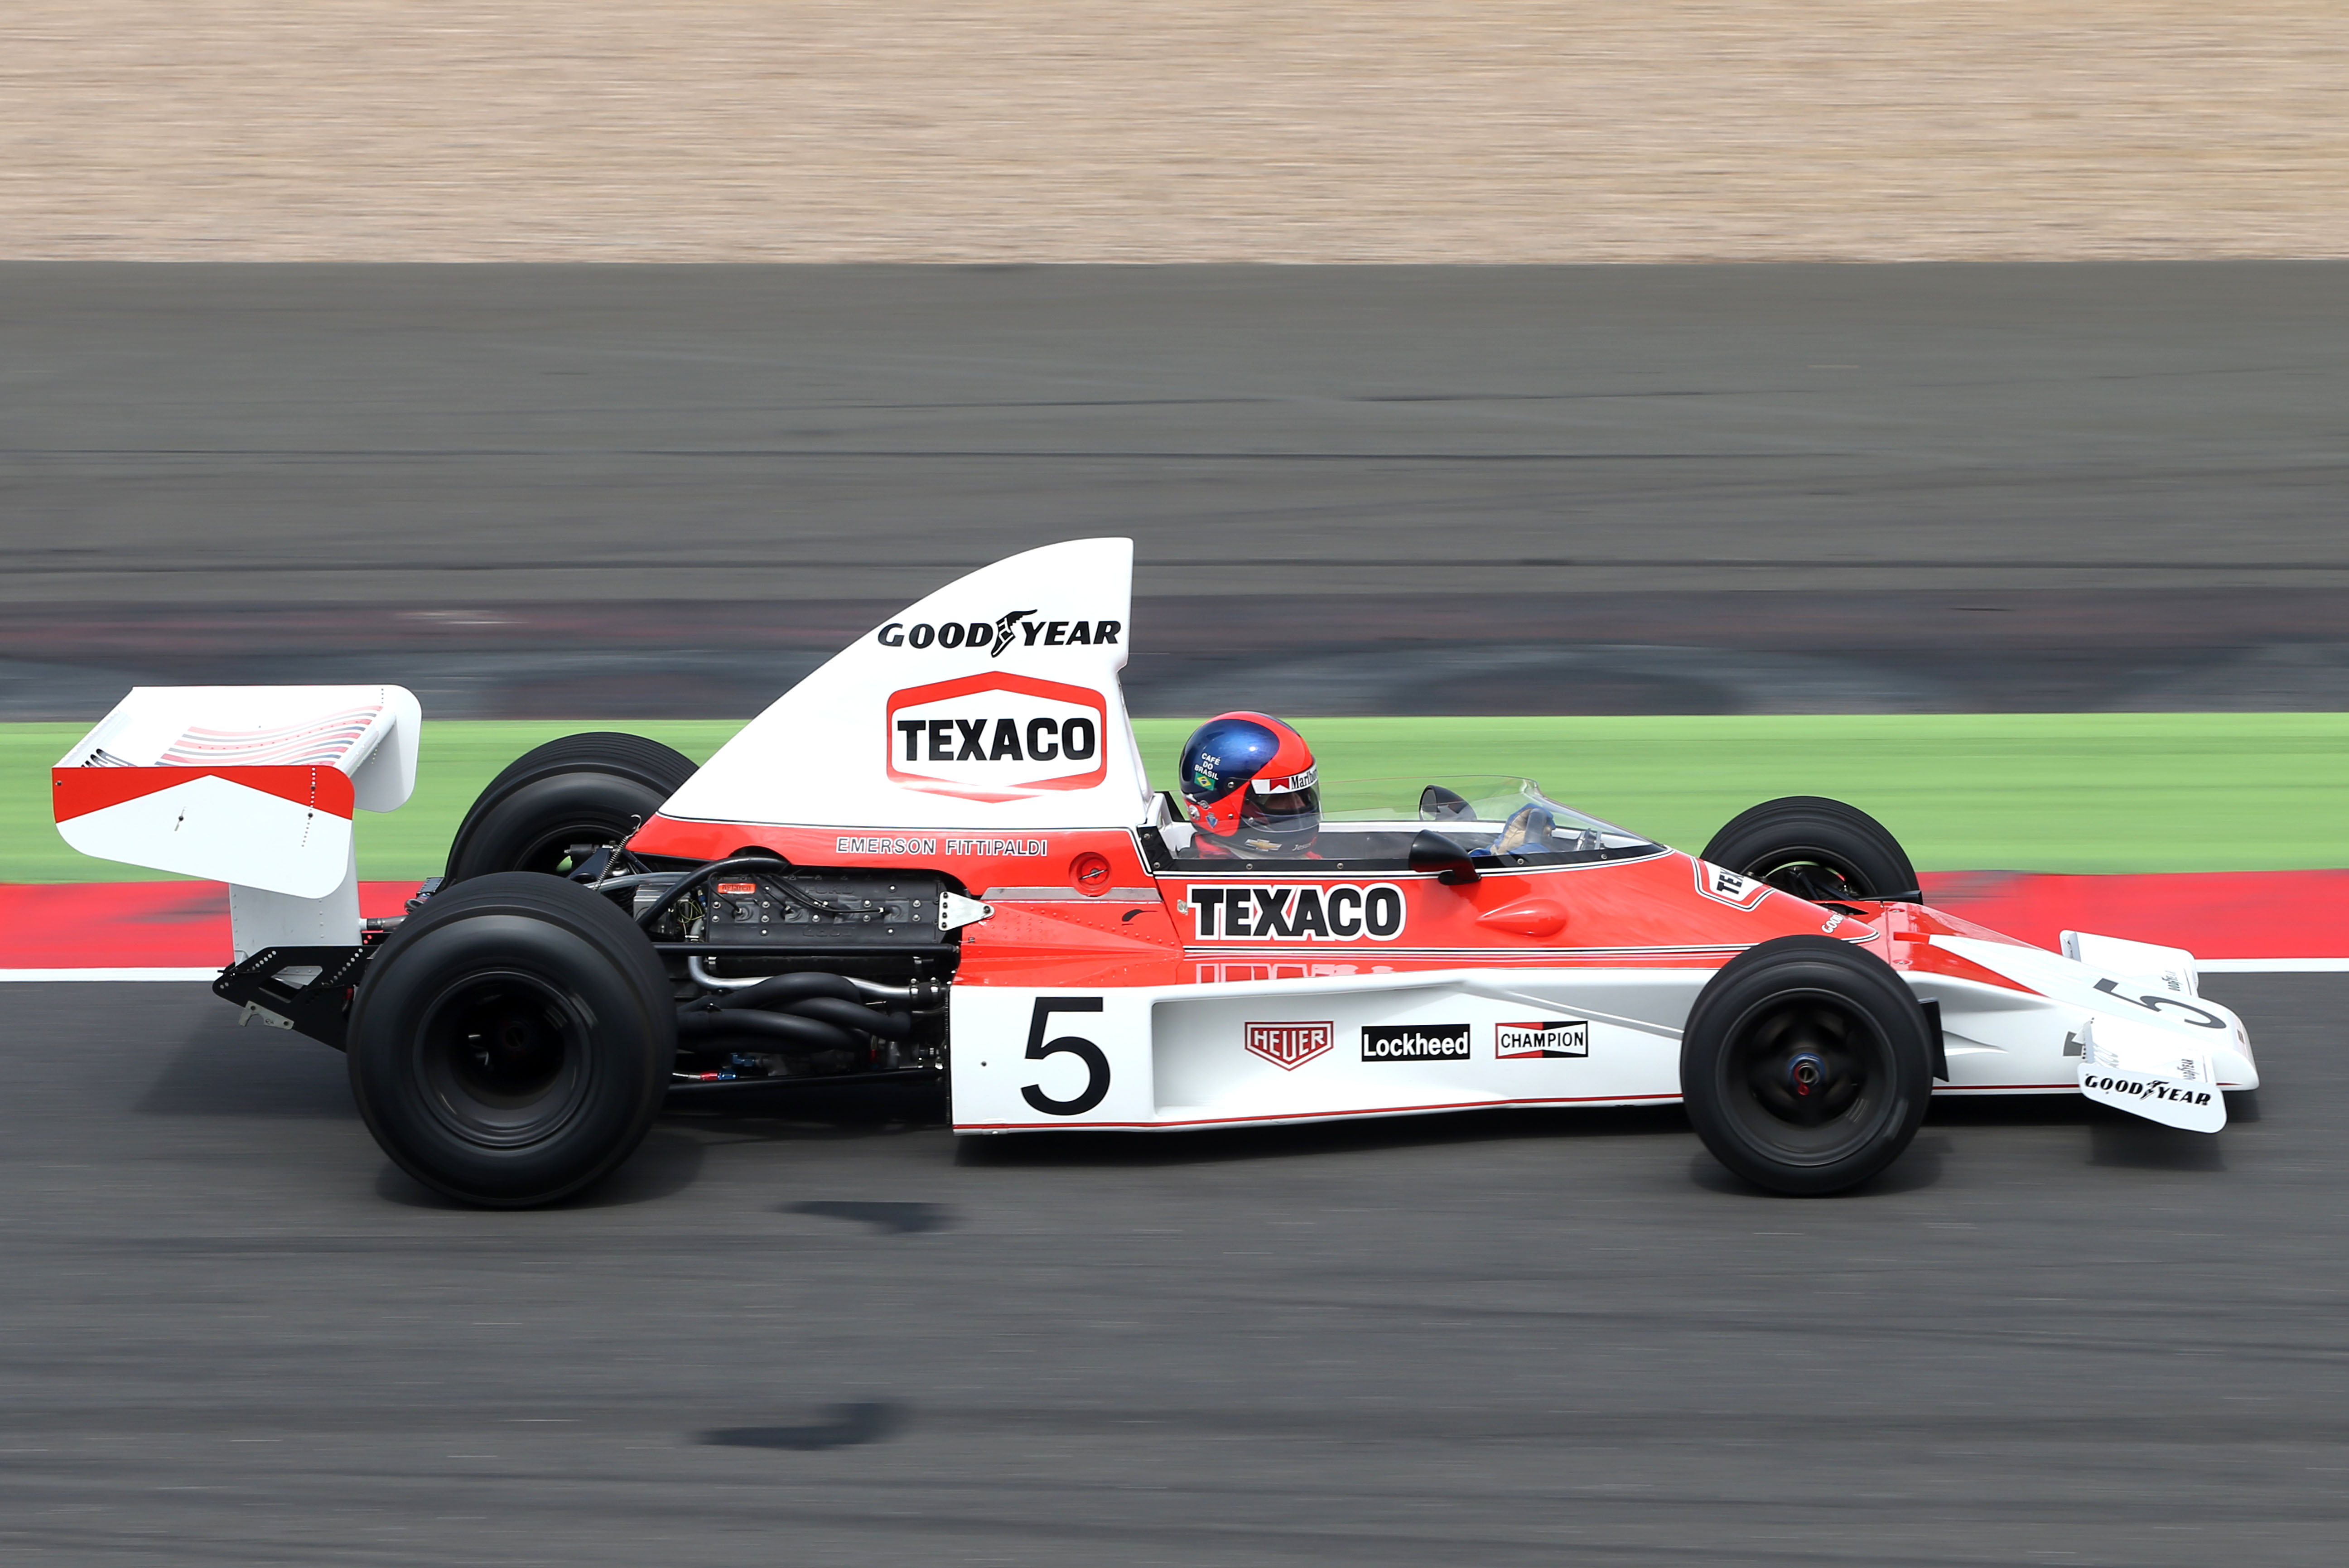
1289	1045
1541	1037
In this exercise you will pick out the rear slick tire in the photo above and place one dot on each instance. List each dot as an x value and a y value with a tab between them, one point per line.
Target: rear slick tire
512	1042
1807	1065
555	802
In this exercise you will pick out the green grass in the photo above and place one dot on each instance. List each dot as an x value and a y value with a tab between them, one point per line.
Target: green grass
2041	792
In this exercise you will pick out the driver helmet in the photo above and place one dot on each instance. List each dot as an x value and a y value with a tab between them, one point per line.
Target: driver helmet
1249	784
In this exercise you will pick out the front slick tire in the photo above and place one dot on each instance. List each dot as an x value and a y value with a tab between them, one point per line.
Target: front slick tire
1805	1065
512	1042
1815	848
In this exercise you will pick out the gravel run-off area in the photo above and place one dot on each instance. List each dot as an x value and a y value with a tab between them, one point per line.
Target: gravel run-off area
1325	130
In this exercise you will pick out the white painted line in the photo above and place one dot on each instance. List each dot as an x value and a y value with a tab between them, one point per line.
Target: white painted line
206	975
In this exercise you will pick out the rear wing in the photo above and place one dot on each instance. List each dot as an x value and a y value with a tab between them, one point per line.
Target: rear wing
251	785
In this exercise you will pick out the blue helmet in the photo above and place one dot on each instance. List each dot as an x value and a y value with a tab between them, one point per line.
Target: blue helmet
1248	778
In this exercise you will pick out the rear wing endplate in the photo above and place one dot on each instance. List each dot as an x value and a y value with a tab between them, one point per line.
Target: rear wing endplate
251	785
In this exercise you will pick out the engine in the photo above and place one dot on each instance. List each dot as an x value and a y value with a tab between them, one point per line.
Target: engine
786	973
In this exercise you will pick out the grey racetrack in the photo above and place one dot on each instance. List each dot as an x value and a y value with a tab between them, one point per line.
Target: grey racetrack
835	1336
235	432
1371	490
824	1332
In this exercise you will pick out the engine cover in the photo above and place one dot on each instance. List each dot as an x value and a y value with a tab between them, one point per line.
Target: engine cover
821	911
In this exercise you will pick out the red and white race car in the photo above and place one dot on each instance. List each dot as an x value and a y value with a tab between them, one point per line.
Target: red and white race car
937	857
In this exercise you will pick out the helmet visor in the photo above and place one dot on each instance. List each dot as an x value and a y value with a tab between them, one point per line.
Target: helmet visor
1288	819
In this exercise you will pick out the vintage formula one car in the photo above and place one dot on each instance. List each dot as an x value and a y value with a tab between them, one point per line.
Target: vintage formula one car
937	858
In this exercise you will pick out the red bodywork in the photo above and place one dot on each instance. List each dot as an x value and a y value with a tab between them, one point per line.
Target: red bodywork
1085	908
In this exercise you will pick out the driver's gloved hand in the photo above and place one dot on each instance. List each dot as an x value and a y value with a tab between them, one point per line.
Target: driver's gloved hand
1526	832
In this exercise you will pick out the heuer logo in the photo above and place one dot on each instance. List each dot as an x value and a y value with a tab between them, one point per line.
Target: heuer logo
1259	912
1289	1046
1723	887
997	737
1415	1042
994	636
1543	1037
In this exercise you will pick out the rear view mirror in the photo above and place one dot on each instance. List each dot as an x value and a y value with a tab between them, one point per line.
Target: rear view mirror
1431	851
1437	804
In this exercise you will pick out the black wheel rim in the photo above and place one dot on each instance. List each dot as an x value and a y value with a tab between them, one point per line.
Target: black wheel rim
1807	1078
1812	874
502	1059
558	851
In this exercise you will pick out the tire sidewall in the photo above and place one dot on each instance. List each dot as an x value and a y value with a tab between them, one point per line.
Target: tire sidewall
1783	969
620	759
551	934
1777	833
596	806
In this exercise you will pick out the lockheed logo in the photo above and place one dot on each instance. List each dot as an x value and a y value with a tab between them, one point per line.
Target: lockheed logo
1013	626
1415	1042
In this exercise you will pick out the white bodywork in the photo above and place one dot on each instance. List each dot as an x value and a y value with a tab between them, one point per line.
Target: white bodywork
1176	1056
880	736
195	766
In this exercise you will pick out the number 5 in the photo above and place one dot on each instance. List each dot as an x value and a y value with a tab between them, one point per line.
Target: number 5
1096	1065
2200	1017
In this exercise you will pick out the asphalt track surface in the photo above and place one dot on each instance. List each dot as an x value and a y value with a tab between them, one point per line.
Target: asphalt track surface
2049	1335
1365	490
813	432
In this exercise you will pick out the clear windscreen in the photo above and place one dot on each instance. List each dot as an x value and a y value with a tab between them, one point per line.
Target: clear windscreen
1369	822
